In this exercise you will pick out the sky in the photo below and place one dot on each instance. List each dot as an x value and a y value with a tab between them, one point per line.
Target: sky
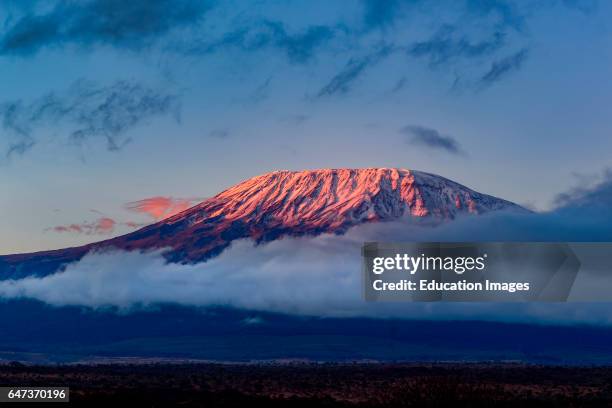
116	114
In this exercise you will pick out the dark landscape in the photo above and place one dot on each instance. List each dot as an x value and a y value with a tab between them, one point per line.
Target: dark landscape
327	385
35	333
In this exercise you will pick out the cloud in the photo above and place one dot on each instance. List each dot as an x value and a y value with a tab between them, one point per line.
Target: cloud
260	93
432	139
134	224
21	147
461	30
102	226
342	82
501	68
399	85
86	111
296	120
318	276
382	14
466	30
219	133
584	6
299	47
472	34
160	207
595	197
378	14
506	12
466	34
442	47
130	24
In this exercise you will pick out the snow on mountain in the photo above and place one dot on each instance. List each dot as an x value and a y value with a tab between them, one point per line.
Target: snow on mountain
283	203
333	199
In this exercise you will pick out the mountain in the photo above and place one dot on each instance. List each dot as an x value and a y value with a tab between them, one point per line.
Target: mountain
282	203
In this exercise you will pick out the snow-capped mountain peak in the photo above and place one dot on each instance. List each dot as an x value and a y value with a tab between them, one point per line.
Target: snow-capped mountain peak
285	203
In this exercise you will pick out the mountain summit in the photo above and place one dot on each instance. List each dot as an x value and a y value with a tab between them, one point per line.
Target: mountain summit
283	203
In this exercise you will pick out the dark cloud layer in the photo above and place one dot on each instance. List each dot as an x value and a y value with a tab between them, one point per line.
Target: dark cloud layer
86	111
502	26
125	24
381	14
432	139
378	14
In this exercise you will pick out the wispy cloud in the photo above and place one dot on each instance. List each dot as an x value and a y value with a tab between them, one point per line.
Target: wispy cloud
297	119
443	47
506	12
20	147
381	14
594	195
472	34
219	133
134	224
453	46
101	226
261	92
85	111
299	46
501	68
432	139
160	207
469	29
126	24
342	82
399	85
585	6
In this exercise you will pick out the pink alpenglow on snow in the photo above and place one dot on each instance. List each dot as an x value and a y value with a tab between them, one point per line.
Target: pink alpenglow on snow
286	203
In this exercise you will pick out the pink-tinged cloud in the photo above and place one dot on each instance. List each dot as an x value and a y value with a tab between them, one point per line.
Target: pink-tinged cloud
133	224
101	226
160	207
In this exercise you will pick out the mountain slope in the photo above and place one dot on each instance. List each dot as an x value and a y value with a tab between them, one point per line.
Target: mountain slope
283	203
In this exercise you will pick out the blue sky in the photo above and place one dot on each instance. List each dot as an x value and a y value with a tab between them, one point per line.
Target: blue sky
108	103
